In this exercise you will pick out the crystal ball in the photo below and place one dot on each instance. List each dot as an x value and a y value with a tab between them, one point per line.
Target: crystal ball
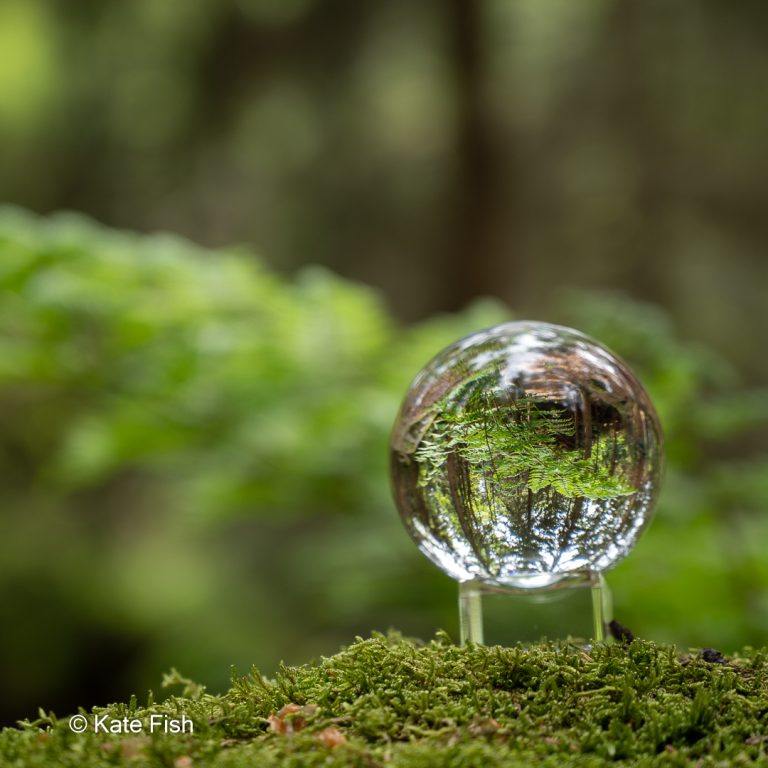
526	454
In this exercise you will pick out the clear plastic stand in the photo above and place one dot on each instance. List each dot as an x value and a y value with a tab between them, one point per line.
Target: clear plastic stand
471	603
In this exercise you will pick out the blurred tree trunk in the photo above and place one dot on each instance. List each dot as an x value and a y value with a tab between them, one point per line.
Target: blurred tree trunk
469	266
632	108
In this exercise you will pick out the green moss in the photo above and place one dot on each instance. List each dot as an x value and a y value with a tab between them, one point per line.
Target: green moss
391	701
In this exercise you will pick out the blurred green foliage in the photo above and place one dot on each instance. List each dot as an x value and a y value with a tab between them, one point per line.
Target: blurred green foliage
194	454
598	143
193	460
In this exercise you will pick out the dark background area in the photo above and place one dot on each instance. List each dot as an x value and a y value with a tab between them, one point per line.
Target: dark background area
438	152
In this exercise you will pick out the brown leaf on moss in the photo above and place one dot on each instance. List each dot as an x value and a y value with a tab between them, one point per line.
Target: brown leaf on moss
331	737
292	718
129	748
484	726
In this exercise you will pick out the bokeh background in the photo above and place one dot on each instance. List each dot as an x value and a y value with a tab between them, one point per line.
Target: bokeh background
193	442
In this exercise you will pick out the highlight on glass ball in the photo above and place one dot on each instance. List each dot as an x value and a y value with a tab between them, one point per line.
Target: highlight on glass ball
524	455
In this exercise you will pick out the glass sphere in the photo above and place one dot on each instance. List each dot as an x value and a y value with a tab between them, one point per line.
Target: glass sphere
525	454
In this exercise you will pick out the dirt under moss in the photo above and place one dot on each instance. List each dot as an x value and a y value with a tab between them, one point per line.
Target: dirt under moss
389	701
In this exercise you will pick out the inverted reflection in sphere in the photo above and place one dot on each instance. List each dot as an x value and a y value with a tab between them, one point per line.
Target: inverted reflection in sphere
523	454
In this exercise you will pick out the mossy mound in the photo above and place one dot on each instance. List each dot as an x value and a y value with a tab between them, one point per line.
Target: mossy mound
391	701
